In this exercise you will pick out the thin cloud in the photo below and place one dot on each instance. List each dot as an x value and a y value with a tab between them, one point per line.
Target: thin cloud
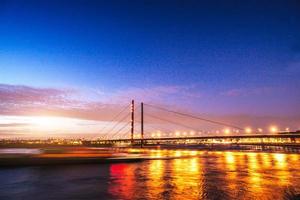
240	92
20	93
156	94
30	101
55	102
10	125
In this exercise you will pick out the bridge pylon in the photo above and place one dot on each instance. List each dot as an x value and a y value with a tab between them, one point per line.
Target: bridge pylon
142	124
132	120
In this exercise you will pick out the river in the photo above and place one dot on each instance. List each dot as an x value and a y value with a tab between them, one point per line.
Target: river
207	175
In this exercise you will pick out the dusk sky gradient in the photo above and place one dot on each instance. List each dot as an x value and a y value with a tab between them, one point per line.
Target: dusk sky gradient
238	61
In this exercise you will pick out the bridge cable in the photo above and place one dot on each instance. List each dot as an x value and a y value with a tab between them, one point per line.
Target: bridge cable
166	130
116	124
120	129
170	121
126	134
111	121
115	117
195	117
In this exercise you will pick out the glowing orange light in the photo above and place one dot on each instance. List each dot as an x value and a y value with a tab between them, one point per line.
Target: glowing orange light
248	130
226	131
273	129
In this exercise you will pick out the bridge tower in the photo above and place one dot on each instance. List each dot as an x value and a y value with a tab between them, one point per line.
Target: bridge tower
132	120
142	124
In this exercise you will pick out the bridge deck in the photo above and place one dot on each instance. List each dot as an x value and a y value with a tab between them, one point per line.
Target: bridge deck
236	139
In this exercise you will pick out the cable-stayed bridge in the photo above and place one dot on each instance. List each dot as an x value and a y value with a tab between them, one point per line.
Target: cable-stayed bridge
148	124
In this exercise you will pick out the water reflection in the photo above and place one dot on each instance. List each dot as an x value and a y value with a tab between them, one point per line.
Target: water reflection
186	186
155	182
122	180
231	173
195	175
207	175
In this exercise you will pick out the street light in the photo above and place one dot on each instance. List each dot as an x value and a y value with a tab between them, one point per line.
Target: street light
226	131
273	129
248	130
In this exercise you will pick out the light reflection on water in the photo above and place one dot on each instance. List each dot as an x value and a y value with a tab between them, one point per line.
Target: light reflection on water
211	175
205	175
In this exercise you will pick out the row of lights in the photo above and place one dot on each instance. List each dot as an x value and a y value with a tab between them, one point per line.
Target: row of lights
176	134
248	130
272	129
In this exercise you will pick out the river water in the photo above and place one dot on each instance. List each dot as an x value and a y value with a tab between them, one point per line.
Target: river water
206	175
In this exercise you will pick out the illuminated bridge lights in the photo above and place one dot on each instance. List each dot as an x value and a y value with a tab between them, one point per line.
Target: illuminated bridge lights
275	139
248	139
248	130
273	129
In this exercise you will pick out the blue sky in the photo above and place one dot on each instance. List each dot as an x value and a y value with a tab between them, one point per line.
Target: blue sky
215	57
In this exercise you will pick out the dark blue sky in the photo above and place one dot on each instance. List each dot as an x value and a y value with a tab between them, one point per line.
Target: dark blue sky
225	57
